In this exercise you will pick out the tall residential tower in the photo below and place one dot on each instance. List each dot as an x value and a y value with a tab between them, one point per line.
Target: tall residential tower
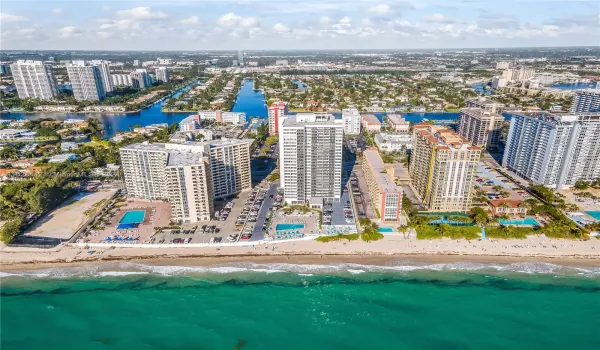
311	157
554	150
442	168
33	79
86	81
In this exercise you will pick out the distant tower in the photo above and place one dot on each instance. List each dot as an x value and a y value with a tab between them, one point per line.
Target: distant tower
241	57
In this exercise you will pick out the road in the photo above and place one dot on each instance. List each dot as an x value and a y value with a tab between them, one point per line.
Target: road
258	233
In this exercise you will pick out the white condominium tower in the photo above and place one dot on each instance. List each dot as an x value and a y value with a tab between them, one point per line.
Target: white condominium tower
86	81
554	150
442	168
480	127
162	74
140	79
352	121
311	157
105	72
586	101
189	175
33	80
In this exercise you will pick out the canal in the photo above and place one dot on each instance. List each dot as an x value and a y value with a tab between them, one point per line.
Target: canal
248	101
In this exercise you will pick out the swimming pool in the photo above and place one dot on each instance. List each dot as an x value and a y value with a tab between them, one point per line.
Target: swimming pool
594	214
284	227
386	229
524	222
133	217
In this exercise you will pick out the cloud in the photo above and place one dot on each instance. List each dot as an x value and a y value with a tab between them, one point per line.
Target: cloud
141	13
68	31
434	17
104	35
231	20
122	24
325	20
381	10
280	28
192	21
57	11
10	18
26	31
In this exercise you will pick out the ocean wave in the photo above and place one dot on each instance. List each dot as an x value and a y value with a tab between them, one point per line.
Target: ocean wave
122	269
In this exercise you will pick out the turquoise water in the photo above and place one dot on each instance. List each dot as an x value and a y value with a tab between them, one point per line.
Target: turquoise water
526	221
133	217
386	229
285	306
594	214
282	227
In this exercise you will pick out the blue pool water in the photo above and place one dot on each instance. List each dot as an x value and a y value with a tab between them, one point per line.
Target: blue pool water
283	227
524	222
594	214
133	217
386	229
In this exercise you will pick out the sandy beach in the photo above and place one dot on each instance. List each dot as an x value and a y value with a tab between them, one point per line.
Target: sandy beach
391	247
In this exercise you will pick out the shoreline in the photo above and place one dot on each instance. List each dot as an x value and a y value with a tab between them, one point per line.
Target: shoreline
15	259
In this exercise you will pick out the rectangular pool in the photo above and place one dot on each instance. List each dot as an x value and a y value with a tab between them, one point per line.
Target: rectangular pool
386	229
133	217
284	227
594	214
524	222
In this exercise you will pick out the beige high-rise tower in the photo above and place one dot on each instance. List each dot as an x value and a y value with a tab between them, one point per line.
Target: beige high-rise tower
442	168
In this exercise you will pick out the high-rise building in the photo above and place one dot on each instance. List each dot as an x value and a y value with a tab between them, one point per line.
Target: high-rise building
480	127
163	61
486	104
517	74
554	150
121	80
442	168
33	79
3	68
352	121
86	81
189	175
585	101
311	157
385	195
140	79
136	63
241	57
104	67
503	65
162	74
276	110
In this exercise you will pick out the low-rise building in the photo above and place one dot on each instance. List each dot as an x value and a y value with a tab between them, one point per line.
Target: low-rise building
370	122
59	158
393	142
398	123
386	196
485	104
6	134
513	207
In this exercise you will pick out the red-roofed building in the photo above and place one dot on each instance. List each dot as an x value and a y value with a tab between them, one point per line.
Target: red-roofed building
276	109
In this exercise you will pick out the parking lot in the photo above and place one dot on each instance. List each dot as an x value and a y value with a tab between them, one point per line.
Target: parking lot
495	185
214	231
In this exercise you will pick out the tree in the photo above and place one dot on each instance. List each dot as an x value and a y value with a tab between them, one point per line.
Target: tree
581	185
11	229
46	132
479	216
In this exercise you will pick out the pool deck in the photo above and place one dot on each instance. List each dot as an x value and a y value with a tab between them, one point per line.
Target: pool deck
310	221
161	218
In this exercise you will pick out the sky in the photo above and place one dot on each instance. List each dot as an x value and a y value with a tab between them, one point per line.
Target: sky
295	24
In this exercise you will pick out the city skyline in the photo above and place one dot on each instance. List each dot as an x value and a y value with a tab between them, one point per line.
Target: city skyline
340	24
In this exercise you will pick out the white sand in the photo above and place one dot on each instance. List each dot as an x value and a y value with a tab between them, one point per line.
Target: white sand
541	247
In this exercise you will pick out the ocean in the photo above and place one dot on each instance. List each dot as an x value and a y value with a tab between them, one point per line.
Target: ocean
403	305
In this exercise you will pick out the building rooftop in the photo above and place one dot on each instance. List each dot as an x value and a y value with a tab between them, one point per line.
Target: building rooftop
384	180
484	101
311	119
443	138
396	119
370	119
480	113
